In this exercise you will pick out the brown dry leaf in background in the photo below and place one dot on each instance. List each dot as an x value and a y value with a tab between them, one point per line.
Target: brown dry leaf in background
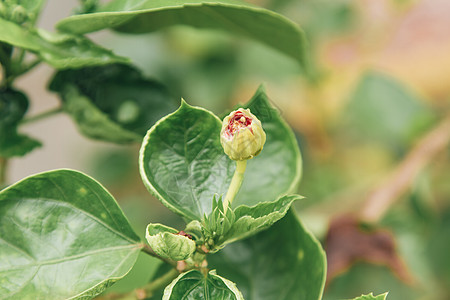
348	243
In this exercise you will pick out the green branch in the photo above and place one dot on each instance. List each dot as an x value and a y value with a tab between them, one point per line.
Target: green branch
43	115
148	250
160	282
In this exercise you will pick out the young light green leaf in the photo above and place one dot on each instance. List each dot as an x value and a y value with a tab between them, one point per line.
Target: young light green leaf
13	105
371	297
247	221
62	236
167	243
282	263
59	50
114	102
194	285
183	164
250	220
234	16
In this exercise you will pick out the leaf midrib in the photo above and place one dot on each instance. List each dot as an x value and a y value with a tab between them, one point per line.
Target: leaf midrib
69	205
68	258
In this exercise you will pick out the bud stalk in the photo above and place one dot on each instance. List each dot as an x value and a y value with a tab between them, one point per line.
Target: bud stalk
235	184
242	138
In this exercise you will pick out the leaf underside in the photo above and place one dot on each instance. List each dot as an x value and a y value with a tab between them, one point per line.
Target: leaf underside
236	17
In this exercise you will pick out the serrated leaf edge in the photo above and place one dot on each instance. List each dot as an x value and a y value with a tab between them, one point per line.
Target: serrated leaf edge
371	295
281	214
169	288
230	285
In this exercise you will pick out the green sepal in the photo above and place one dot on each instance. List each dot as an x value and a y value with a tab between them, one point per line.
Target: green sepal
217	224
167	243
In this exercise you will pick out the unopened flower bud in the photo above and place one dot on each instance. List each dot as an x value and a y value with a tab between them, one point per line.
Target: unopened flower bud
3	11
167	242
242	136
19	14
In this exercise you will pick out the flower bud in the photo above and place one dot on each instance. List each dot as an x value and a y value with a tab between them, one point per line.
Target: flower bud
167	242
19	14
3	11
242	136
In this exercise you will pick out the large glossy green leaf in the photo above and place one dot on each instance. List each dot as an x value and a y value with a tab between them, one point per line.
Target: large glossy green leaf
59	50
183	163
234	16
371	297
62	235
282	263
13	105
114	102
194	285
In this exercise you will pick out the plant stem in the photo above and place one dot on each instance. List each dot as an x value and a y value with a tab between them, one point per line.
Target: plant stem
235	184
145	292
160	282
42	115
26	68
3	167
382	197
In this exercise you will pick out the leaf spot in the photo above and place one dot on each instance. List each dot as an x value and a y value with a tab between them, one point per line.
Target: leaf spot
300	254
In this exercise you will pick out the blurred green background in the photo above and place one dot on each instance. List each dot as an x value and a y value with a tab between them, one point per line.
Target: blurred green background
381	83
